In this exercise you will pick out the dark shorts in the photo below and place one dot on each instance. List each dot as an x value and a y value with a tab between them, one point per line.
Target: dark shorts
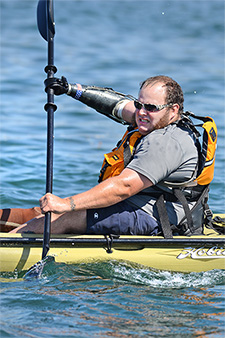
120	219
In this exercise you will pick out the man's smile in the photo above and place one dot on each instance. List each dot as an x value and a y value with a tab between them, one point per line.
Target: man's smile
144	120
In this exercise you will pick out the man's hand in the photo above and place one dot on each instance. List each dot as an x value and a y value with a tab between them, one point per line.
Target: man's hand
60	86
52	203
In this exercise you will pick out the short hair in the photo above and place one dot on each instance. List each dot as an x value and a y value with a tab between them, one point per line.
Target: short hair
174	93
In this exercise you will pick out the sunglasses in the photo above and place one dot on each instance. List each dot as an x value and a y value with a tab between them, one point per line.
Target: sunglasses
150	107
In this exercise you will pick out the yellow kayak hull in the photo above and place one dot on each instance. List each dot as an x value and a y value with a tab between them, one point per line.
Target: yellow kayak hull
18	252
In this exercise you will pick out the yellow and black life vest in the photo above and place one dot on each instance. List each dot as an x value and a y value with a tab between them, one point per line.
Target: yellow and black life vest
208	151
116	160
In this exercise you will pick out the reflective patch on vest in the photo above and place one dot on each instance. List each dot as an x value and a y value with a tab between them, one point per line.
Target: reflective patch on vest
115	157
212	133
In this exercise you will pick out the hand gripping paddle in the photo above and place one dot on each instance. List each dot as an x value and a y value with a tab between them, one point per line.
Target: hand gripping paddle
46	26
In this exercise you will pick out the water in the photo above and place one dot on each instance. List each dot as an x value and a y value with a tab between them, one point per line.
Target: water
116	44
111	299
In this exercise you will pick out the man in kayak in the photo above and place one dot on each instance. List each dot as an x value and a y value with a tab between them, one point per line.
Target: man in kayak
125	202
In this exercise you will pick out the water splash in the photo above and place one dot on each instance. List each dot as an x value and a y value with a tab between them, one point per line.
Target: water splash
122	273
139	275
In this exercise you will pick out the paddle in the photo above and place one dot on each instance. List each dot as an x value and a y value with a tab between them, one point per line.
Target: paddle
46	26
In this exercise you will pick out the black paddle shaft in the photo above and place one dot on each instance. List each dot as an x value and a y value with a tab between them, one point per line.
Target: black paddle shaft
46	26
50	108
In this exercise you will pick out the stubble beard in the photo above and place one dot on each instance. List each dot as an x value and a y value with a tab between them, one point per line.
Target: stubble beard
163	122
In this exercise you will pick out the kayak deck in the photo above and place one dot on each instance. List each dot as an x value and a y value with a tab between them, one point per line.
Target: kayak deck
19	252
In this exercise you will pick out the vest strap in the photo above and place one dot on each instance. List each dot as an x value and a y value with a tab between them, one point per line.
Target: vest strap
163	217
182	199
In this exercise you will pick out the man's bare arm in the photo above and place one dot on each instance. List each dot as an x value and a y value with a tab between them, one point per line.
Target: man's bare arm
108	192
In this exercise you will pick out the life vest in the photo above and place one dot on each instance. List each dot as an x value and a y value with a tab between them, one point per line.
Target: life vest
208	153
116	160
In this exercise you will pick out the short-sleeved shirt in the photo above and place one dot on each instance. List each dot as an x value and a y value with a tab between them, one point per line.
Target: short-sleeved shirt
167	154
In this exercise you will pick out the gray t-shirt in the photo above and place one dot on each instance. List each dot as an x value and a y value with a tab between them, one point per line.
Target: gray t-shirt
167	154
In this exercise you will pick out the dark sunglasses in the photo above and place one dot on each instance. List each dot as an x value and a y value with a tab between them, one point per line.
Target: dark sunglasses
150	107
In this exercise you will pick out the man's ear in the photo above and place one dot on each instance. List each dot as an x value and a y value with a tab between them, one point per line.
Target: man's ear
174	110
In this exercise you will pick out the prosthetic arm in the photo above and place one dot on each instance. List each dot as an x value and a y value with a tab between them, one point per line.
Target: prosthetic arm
104	100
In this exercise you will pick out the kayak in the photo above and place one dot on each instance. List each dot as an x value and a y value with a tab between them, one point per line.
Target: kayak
18	252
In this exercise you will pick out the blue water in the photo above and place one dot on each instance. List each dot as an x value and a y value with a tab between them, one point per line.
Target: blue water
116	44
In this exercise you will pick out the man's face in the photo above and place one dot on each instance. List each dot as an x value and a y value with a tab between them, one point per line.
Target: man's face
148	121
